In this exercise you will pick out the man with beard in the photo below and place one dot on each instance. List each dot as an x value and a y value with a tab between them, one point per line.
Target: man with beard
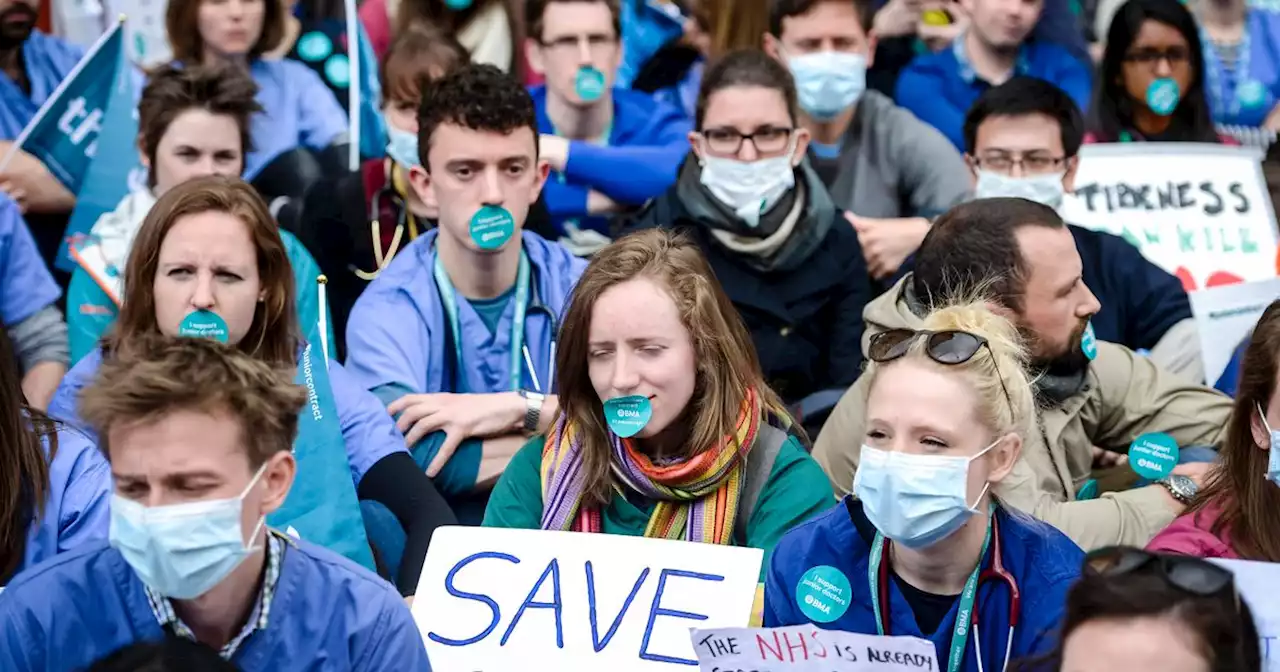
939	87
32	65
1021	256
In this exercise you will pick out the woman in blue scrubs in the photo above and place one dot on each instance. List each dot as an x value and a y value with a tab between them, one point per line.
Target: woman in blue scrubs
207	275
60	467
299	111
1241	63
925	549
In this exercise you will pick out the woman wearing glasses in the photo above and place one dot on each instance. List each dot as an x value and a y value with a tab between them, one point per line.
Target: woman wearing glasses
1140	612
1151	81
925	549
790	263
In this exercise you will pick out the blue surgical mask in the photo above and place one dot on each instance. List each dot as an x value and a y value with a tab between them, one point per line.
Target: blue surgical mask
915	500
1044	189
402	146
749	188
182	550
1273	460
828	82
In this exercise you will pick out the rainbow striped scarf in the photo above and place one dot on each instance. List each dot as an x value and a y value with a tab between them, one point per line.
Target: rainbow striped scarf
697	499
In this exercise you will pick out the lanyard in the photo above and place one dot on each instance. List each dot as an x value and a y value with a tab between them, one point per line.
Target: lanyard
960	634
450	302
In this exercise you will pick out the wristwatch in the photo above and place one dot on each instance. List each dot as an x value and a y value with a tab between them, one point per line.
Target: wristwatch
532	409
1182	488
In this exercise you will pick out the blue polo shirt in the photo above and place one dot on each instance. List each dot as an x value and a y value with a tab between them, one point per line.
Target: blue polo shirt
939	88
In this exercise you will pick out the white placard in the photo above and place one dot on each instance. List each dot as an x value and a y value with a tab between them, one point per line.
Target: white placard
1199	211
147	37
494	600
1225	315
805	648
1257	583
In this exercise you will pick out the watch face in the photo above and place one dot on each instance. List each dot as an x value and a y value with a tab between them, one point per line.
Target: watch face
1184	485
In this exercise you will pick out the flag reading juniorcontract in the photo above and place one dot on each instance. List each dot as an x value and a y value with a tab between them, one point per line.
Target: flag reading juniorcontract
494	600
805	648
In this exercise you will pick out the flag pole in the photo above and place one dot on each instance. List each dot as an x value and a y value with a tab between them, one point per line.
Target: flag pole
353	85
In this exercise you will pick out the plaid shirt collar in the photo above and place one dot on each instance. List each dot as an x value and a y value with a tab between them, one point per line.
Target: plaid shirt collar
168	618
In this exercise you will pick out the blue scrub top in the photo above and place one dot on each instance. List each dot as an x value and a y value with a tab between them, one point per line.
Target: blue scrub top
298	110
1245	95
397	331
1042	560
367	431
327	614
48	61
26	286
76	510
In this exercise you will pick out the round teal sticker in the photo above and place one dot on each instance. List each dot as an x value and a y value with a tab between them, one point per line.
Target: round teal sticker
1251	93
492	227
1153	456
314	46
628	415
457	5
589	84
204	324
823	594
1089	342
1163	96
338	70
1088	491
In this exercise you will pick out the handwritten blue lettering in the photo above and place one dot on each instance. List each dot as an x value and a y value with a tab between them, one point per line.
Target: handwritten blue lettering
597	643
552	570
485	599
656	610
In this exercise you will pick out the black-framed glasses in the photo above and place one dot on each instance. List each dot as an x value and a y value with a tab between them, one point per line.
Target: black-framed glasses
1151	56
565	43
767	140
1190	574
949	347
1030	164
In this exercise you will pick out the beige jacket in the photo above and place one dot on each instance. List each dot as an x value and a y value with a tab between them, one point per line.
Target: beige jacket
1123	397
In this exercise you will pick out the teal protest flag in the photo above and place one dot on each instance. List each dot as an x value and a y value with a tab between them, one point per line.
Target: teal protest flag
373	137
322	506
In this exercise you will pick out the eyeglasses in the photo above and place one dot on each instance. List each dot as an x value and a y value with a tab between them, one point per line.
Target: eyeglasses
944	347
1030	164
1150	56
596	42
728	141
1193	575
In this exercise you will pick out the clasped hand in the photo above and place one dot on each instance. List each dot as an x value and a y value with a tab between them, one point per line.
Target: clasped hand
459	416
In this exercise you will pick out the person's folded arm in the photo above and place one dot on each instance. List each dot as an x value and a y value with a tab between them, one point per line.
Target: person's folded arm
565	200
43	349
629	175
921	94
399	484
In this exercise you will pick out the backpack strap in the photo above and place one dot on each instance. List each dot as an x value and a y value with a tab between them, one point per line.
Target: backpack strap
760	461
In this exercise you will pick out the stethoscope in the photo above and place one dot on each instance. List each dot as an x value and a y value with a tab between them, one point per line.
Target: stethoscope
378	206
996	572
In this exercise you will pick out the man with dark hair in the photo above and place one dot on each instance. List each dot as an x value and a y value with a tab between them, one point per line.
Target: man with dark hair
611	149
457	334
199	436
885	168
1022	139
1021	256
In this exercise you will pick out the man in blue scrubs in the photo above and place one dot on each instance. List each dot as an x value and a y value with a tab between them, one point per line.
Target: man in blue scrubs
198	436
610	149
457	334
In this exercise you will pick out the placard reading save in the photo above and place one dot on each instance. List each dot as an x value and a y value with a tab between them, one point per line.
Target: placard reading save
492	600
804	648
1201	212
1257	581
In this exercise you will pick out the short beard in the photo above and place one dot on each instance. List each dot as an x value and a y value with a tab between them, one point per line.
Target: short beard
13	35
1071	362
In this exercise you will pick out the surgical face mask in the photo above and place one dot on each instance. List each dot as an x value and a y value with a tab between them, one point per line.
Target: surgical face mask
182	550
828	82
915	500
1044	189
749	188
1273	460
402	146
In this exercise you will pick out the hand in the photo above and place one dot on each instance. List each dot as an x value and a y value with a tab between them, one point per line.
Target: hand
555	150
1272	122
886	243
936	38
460	416
1106	459
897	18
30	184
1196	471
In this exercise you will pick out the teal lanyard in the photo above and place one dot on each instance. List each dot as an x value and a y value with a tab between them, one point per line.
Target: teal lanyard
960	636
450	301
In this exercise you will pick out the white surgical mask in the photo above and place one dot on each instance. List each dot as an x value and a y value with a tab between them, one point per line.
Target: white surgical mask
182	550
1273	460
915	500
402	146
1044	189
828	82
749	188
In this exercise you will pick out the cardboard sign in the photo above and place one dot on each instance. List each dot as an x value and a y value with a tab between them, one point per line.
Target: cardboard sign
494	599
1257	583
1200	211
804	648
1225	316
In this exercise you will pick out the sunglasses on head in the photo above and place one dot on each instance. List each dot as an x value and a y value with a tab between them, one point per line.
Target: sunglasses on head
1193	575
949	347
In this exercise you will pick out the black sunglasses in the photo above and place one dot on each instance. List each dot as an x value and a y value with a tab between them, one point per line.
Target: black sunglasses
1193	575
944	347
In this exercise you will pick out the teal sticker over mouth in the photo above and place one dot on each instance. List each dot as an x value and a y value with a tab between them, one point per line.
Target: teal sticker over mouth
1089	342
1153	456
492	227
204	324
628	415
1163	96
457	5
823	594
589	84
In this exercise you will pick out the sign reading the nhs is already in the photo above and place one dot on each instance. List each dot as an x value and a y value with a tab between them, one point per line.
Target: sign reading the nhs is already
493	599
